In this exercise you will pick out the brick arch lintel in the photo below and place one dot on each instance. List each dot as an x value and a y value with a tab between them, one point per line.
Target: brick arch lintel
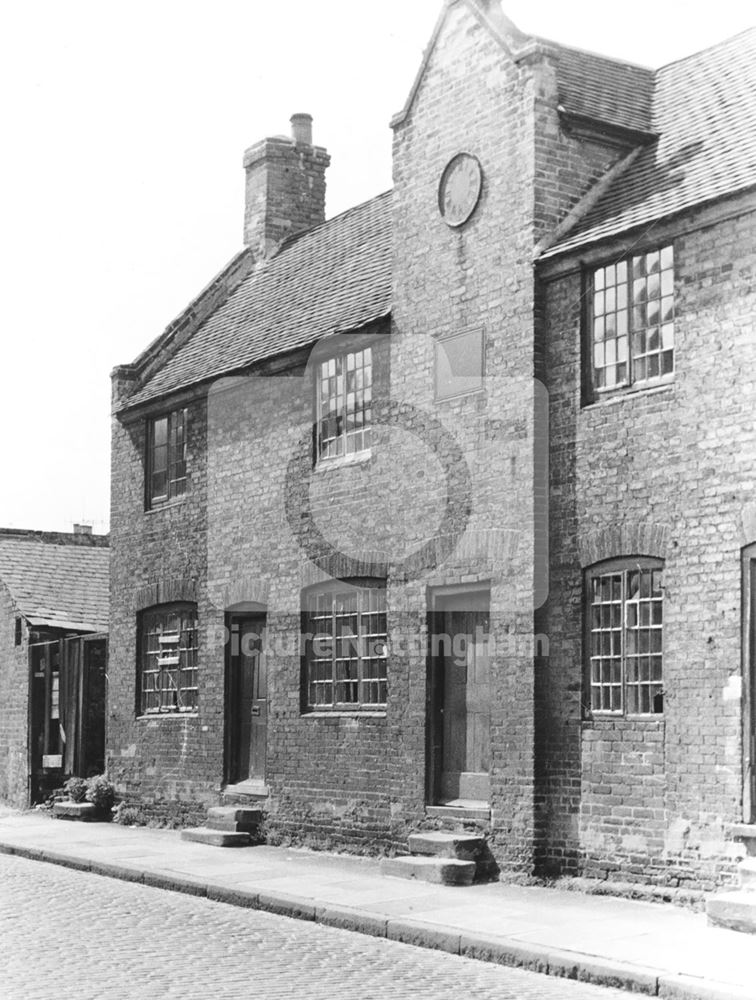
246	590
748	524
626	538
165	591
366	563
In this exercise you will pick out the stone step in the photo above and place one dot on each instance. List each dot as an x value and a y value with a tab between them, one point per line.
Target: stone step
443	871
734	910
234	818
76	810
246	793
453	816
747	871
463	846
216	838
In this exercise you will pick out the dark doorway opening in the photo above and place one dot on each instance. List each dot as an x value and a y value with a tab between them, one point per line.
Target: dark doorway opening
246	699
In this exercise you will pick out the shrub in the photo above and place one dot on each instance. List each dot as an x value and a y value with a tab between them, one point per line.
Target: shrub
100	792
76	789
129	815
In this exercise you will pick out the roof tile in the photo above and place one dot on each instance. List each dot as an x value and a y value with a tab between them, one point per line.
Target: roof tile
334	278
67	585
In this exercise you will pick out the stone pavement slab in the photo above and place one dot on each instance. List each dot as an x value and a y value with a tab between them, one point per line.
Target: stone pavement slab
651	948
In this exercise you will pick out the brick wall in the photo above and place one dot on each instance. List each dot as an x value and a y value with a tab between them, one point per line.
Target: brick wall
14	698
170	764
665	473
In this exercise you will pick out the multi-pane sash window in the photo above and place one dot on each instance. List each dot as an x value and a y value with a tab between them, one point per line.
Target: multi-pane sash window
166	457
168	659
624	633
345	399
345	647
632	315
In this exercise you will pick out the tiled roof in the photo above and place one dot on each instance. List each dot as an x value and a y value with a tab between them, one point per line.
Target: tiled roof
705	113
61	585
605	89
334	278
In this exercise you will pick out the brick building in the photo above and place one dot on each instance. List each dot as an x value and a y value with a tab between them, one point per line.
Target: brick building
53	659
441	511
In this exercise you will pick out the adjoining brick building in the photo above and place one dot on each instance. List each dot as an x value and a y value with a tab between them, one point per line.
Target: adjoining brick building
492	434
54	589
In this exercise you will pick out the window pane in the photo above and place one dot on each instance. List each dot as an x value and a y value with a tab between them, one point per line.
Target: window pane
168	660
352	669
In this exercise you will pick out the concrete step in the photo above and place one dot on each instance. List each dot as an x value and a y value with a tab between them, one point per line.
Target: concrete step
234	818
747	871
734	910
216	838
443	871
463	846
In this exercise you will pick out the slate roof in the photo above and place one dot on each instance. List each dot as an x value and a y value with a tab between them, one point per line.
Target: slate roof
602	88
54	584
704	110
331	279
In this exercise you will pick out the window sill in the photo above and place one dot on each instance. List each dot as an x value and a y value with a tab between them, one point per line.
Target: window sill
345	714
356	458
603	719
178	502
154	716
615	395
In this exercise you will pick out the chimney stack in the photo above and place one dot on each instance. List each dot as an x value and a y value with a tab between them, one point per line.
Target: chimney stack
82	529
301	129
285	187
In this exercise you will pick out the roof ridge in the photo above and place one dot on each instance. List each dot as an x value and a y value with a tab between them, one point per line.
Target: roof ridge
590	52
709	48
67	538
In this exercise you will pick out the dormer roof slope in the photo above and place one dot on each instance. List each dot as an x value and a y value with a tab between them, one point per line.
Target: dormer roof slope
603	89
704	111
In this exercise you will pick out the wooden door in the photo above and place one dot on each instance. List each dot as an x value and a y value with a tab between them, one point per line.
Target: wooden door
246	701
460	700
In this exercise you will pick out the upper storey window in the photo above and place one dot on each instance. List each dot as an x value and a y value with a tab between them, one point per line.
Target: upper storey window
166	458
345	403
632	331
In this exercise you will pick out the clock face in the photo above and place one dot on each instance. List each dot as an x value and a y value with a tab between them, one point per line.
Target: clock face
459	189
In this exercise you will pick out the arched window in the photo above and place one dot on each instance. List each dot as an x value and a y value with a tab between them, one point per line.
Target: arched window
168	659
624	611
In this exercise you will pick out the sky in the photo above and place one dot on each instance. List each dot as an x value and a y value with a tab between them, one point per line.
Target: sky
121	184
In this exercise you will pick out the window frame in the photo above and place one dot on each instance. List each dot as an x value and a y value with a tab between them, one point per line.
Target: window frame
593	391
343	454
364	589
175	469
624	567
178	659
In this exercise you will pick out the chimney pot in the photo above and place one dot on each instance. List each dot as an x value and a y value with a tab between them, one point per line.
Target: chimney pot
301	129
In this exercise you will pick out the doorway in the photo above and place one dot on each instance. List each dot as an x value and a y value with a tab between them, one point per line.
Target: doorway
246	699
459	714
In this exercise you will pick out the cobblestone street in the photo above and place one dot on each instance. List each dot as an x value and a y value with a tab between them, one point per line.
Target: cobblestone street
72	934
